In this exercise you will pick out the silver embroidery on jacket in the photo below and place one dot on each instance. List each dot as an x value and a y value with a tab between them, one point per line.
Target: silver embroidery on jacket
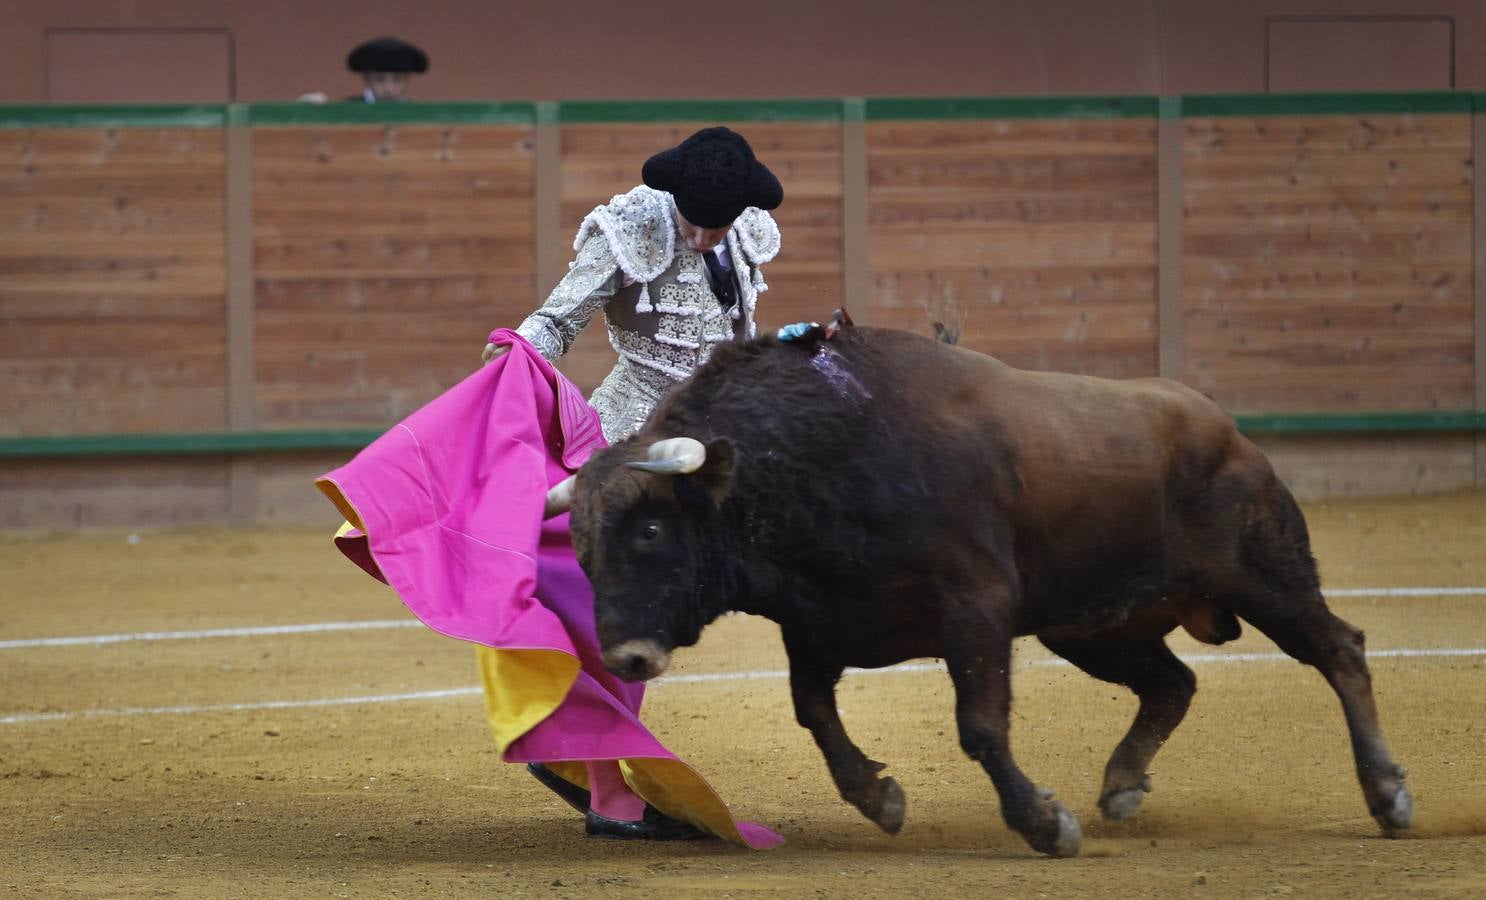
633	239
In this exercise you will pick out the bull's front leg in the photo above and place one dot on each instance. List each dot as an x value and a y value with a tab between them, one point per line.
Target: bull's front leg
977	651
813	686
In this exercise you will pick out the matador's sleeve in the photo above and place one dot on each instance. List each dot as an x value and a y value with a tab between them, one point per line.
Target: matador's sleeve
592	279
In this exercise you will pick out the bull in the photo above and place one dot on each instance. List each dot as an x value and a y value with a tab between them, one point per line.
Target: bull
883	496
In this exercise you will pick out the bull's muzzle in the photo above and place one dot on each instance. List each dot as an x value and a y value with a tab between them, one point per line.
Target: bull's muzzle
637	660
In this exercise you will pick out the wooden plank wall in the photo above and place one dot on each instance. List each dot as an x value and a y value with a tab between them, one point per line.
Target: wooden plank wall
1327	267
111	281
127	492
1041	233
601	160
112	287
1328	261
1370	465
383	256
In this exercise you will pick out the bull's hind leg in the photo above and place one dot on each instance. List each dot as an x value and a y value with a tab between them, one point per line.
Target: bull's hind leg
1279	592
1165	687
978	655
813	686
1316	637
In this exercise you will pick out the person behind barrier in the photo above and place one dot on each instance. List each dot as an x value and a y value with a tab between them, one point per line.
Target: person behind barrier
386	65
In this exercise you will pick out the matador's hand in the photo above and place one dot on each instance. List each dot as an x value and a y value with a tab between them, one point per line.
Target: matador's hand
494	351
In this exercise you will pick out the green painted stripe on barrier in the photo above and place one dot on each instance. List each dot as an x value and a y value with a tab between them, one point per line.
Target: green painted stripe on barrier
931	108
661	111
1433	103
203	443
1352	423
410	113
218	443
92	116
735	110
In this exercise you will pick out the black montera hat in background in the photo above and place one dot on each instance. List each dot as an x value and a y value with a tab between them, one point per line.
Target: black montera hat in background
713	177
387	54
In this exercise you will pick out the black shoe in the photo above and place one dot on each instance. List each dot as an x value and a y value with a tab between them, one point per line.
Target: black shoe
571	794
655	826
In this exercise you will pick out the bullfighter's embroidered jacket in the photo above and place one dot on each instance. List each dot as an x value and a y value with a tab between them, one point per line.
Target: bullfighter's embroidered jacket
662	315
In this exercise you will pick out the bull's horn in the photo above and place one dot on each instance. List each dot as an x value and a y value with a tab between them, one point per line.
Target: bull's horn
673	456
559	498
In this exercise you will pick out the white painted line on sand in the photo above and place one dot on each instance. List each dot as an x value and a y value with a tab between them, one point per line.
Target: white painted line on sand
1196	659
235	707
97	639
699	678
310	628
1407	592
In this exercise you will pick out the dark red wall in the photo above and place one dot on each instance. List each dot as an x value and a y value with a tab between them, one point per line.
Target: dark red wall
278	49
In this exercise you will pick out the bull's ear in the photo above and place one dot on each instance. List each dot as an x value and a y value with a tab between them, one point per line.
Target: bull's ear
715	477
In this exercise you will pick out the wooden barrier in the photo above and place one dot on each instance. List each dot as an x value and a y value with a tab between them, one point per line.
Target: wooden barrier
112	285
1283	254
382	255
1328	258
111	280
1040	233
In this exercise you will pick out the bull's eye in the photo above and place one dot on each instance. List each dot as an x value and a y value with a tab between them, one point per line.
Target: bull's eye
650	532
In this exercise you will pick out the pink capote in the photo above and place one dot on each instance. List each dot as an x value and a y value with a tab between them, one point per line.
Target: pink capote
449	508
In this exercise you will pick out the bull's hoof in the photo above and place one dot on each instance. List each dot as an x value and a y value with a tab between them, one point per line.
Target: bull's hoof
1070	835
1117	806
1121	805
1398	814
1064	840
892	806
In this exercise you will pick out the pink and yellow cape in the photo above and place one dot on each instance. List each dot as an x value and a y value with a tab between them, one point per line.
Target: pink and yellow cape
446	508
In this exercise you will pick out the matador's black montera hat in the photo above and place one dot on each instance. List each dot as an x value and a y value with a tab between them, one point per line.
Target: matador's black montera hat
714	177
387	54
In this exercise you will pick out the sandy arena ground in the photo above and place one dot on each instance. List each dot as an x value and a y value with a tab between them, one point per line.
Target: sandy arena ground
1254	795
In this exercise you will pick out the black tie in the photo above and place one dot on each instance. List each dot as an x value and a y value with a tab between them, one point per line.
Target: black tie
722	280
